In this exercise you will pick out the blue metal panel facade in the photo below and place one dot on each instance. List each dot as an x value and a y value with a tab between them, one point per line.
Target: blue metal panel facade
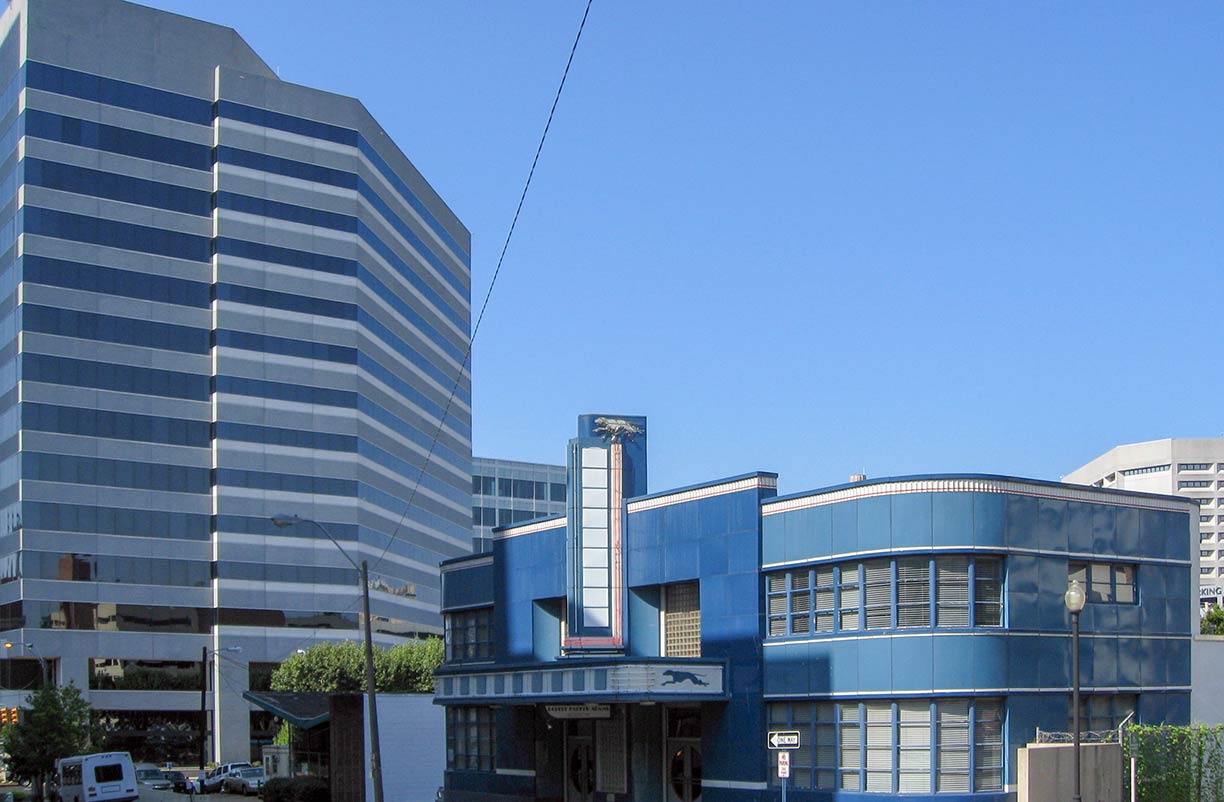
873	617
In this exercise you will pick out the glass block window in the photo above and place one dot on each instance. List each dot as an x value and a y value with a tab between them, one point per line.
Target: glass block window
469	635
470	741
917	592
682	620
903	746
1105	583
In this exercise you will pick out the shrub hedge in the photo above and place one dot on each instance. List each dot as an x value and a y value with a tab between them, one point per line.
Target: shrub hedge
296	789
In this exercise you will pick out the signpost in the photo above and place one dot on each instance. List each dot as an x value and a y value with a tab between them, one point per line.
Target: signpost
780	741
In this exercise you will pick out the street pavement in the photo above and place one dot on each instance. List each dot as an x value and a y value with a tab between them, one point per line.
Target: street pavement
151	795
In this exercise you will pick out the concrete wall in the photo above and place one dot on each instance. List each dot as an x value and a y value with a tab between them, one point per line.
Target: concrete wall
1046	773
412	737
1207	692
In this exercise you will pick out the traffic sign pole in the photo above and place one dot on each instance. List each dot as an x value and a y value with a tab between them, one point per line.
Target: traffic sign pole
784	771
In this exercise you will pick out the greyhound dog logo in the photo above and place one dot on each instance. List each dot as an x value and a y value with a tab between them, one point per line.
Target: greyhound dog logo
677	677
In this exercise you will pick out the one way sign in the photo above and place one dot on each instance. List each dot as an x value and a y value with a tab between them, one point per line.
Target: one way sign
783	739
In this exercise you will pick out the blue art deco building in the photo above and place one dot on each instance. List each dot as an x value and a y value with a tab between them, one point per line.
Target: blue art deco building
911	630
225	297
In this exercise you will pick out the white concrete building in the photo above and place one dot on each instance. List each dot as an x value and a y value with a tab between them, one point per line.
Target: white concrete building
1189	467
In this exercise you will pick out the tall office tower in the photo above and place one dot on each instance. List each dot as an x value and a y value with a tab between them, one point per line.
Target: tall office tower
226	297
506	492
1188	467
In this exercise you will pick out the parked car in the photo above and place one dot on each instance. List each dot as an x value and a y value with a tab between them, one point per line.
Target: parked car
152	778
178	781
212	782
226	768
245	781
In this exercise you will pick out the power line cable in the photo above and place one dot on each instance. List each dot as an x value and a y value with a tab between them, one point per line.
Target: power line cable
489	294
467	356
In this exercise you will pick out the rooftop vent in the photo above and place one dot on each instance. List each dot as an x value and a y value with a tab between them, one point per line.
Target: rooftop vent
858	477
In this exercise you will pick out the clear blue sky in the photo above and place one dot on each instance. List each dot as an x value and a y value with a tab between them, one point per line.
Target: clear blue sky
814	237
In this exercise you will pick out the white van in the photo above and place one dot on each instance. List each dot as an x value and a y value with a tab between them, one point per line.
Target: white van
104	777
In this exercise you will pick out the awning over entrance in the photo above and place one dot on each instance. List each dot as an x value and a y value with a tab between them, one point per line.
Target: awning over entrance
305	710
616	680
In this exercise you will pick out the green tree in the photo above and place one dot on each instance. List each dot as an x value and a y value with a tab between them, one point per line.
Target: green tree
411	665
340	667
56	724
1213	622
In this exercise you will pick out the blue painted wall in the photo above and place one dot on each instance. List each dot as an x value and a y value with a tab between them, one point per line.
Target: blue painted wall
1037	537
715	541
530	567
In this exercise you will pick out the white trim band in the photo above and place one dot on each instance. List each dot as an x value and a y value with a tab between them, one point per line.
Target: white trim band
751	483
1071	493
531	529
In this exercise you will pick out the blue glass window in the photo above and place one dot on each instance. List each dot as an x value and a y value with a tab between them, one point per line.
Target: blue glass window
112	139
99	184
110	281
287	301
295	438
114	473
117	425
286	256
110	568
267	344
286	392
287	167
319	485
126	95
123	378
108	328
112	234
57	517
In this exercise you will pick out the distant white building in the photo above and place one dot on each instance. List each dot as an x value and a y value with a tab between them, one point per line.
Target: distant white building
1189	467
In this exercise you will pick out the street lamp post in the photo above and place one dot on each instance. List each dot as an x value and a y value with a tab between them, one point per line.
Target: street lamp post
281	521
1075	598
42	663
205	653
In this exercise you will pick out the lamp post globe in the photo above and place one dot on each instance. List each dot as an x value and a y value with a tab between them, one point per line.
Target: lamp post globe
1075	596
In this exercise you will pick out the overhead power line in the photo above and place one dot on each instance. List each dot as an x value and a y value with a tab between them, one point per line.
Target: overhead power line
467	357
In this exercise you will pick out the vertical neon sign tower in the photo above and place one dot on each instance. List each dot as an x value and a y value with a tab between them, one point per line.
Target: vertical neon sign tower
607	464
